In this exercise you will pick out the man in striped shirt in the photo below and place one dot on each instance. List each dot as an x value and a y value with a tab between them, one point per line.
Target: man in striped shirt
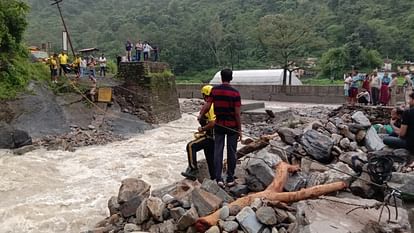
227	104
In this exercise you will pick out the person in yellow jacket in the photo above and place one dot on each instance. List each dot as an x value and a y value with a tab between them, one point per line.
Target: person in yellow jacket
53	63
204	140
76	65
63	62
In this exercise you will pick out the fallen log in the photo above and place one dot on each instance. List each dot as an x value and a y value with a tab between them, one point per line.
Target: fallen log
255	145
273	193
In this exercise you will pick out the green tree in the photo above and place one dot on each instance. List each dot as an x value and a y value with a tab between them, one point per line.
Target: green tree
333	63
285	37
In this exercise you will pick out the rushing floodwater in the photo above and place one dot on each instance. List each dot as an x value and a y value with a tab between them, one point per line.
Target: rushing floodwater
59	191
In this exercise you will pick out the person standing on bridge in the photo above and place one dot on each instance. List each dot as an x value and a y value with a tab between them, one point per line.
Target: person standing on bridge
128	48
204	140
227	103
102	65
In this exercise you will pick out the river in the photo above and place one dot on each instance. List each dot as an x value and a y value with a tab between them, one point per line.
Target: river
61	191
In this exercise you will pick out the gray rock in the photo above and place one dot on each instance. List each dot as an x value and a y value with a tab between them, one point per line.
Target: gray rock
344	130
256	204
345	143
353	146
188	219
362	188
372	141
295	182
248	221
283	230
231	218
212	187
156	207
402	154
205	202
360	118
113	205
288	135
131	193
239	190
336	138
402	181
224	212
319	212
317	145
347	157
260	175
234	210
165	227
291	218
316	125
213	229
23	150
266	215
167	198
266	230
230	226
129	227
270	155
142	213
274	230
360	136
177	212
281	215
331	128
334	175
11	138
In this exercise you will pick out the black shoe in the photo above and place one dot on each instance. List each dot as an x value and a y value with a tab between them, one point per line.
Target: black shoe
190	174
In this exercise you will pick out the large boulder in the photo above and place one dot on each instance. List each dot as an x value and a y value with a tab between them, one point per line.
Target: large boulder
248	221
205	202
360	118
288	135
11	138
316	216
131	193
260	174
402	181
318	145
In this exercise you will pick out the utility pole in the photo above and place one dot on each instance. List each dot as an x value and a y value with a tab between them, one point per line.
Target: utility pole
56	2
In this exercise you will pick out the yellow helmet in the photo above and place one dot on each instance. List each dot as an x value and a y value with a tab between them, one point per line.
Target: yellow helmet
206	90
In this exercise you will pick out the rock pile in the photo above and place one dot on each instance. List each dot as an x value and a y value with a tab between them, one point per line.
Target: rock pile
78	137
326	150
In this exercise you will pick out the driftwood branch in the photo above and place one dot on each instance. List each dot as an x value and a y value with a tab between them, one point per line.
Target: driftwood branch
255	145
273	193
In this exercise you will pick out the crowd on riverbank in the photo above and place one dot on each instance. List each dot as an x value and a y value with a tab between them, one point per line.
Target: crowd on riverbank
376	88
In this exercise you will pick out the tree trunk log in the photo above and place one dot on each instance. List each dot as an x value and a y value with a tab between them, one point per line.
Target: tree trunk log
273	193
255	145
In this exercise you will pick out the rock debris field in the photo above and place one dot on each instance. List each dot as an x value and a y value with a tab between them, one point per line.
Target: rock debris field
331	160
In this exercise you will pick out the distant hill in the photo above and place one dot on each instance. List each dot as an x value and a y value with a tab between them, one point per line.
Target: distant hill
200	34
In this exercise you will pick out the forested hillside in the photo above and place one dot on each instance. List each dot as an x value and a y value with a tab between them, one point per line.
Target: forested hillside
196	35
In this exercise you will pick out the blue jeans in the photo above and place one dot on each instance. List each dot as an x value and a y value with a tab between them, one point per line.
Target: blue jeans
231	155
138	55
395	142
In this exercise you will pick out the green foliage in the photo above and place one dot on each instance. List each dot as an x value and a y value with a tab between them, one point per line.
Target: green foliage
111	67
15	68
197	35
164	74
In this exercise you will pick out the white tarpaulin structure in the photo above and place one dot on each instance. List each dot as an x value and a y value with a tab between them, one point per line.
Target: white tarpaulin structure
258	77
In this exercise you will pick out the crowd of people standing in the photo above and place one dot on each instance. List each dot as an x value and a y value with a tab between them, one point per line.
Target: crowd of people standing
143	50
376	89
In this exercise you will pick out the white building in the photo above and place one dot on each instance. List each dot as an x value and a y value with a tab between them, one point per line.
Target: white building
258	77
